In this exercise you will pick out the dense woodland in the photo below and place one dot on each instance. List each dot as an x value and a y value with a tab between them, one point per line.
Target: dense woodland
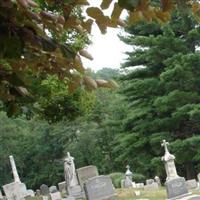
158	98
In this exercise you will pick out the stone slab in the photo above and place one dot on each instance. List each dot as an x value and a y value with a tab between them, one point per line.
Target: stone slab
152	186
1	196
176	188
44	189
85	173
53	189
100	188
15	191
191	184
56	196
62	187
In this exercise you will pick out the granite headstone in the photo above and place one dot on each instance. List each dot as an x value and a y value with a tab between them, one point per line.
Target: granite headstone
85	173
44	189
99	188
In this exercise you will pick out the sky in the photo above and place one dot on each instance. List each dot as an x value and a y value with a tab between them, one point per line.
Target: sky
107	50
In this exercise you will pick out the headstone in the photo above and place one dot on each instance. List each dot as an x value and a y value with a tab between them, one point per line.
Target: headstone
191	184
87	172
30	193
15	191
149	181
56	196
37	192
99	188
44	189
151	187
139	185
62	187
157	180
175	185
176	188
53	189
127	182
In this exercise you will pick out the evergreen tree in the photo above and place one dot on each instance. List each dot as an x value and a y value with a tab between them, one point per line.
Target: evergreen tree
162	88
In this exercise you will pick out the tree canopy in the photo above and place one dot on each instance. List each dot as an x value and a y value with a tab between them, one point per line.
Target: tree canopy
41	38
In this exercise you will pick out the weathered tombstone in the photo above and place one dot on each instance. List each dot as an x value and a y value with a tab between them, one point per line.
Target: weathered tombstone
87	172
62	187
175	185
139	185
37	192
44	189
55	196
99	188
15	191
151	187
127	182
191	184
53	189
149	181
30	193
72	186
157	180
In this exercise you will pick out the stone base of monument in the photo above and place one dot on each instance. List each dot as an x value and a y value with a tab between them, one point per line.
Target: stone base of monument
76	191
176	188
15	191
191	197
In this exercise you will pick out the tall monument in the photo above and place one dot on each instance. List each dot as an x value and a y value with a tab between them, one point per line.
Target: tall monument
72	186
169	162
14	169
175	185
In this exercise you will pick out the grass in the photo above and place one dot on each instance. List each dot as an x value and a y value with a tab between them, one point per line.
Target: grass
128	194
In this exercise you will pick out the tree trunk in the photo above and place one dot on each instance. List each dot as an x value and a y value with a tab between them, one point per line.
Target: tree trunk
190	174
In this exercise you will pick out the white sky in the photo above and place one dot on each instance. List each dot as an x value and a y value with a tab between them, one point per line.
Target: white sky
107	50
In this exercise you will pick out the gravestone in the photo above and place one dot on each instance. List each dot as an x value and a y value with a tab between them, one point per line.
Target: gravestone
127	182
44	189
176	188
175	185
151	187
149	181
55	196
14	169
53	189
30	193
62	187
191	184
15	191
99	188
38	193
157	180
85	173
139	185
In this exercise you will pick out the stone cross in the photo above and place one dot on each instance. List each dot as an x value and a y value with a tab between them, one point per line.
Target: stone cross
169	162
164	144
14	169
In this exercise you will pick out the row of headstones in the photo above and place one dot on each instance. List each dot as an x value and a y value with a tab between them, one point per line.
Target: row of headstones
93	187
176	186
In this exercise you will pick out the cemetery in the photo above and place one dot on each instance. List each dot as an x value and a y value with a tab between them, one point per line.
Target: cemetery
99	100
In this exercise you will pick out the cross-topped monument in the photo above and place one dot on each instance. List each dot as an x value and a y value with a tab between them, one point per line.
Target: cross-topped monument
169	162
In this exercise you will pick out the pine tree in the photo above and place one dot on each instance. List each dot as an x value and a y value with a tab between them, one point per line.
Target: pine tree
162	88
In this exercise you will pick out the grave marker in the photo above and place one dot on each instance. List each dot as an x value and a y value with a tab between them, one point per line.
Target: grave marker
99	188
